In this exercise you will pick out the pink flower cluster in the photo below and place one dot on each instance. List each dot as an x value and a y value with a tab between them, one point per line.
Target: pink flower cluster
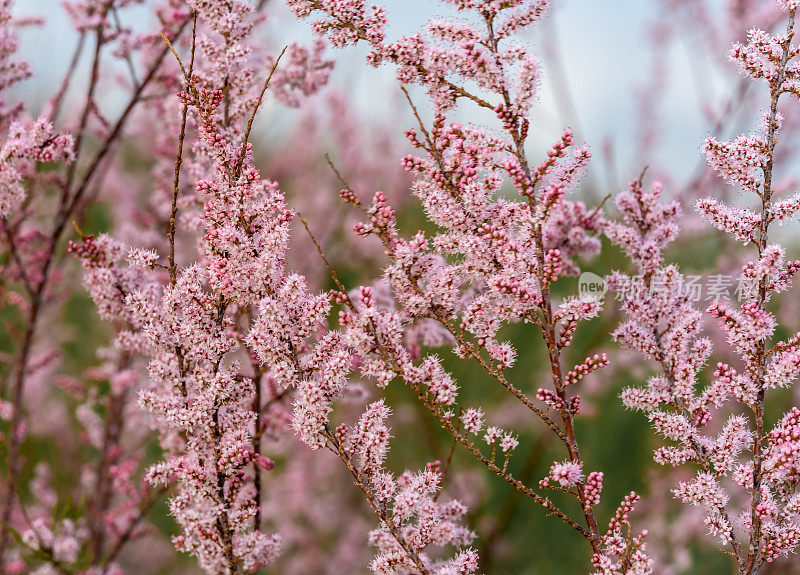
23	148
758	523
490	260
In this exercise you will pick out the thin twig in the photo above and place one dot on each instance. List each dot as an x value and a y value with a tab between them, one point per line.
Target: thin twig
173	212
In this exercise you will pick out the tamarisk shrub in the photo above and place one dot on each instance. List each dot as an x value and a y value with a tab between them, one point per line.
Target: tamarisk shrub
491	260
36	206
113	502
199	397
746	481
220	350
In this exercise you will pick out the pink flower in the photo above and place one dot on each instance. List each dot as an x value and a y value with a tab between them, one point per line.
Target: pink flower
566	473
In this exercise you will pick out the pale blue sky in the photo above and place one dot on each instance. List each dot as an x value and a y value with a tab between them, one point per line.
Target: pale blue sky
603	47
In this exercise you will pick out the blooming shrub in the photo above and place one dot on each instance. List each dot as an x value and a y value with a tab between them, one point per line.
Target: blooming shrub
245	408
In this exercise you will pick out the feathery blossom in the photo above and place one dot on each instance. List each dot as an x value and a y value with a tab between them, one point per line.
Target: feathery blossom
490	260
199	398
27	144
663	325
738	162
621	551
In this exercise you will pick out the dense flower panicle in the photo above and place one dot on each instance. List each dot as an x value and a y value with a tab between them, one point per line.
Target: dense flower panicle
417	519
621	551
369	439
189	333
745	328
741	223
702	490
456	180
762	58
455	49
110	284
739	162
648	225
664	326
225	45
247	217
201	401
26	144
771	269
423	521
782	370
667	329
346	21
784	210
